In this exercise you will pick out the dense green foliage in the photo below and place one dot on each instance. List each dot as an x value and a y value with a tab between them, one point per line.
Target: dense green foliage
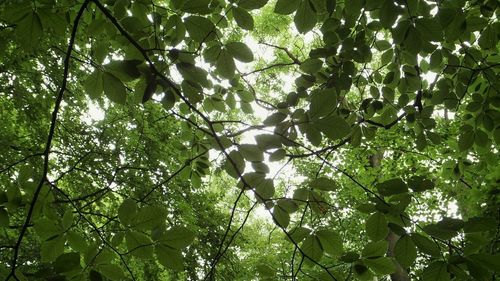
249	140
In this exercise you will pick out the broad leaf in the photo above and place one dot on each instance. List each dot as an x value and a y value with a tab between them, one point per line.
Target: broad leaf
225	64
243	18
139	245
311	247
286	7
114	88
240	51
405	251
169	257
177	237
127	211
376	227
381	265
331	242
305	17
437	271
29	31
200	29
323	184
392	186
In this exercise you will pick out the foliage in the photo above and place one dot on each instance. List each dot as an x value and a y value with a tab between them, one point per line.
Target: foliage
249	139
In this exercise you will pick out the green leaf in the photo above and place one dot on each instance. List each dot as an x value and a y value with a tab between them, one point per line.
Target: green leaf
252	4
436	271
95	276
334	127
76	241
436	60
243	18
266	142
405	251
112	271
4	217
196	7
200	29
381	265
489	38
139	245
277	155
420	184
245	96
67	220
67	262
265	189
149	217
426	245
466	140
46	228
430	29
445	229
274	119
114	88
392	186
93	85
286	7
305	17
240	51
127	211
311	65
313	135
124	70
29	31
388	14
311	247
298	234
236	160
376	227
177	237
331	242
375	249
251	152
323	184
413	41
288	205
491	262
496	135
225	64
480	224
53	248
169	257
53	21
193	74
280	216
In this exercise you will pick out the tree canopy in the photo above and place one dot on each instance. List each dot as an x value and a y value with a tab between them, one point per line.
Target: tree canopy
249	140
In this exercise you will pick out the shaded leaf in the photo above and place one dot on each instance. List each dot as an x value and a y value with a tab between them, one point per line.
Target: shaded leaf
286	7
114	88
243	18
200	29
305	17
437	271
323	184
240	51
405	251
376	227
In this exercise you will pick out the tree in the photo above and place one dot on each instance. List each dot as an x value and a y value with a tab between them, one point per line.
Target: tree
249	139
